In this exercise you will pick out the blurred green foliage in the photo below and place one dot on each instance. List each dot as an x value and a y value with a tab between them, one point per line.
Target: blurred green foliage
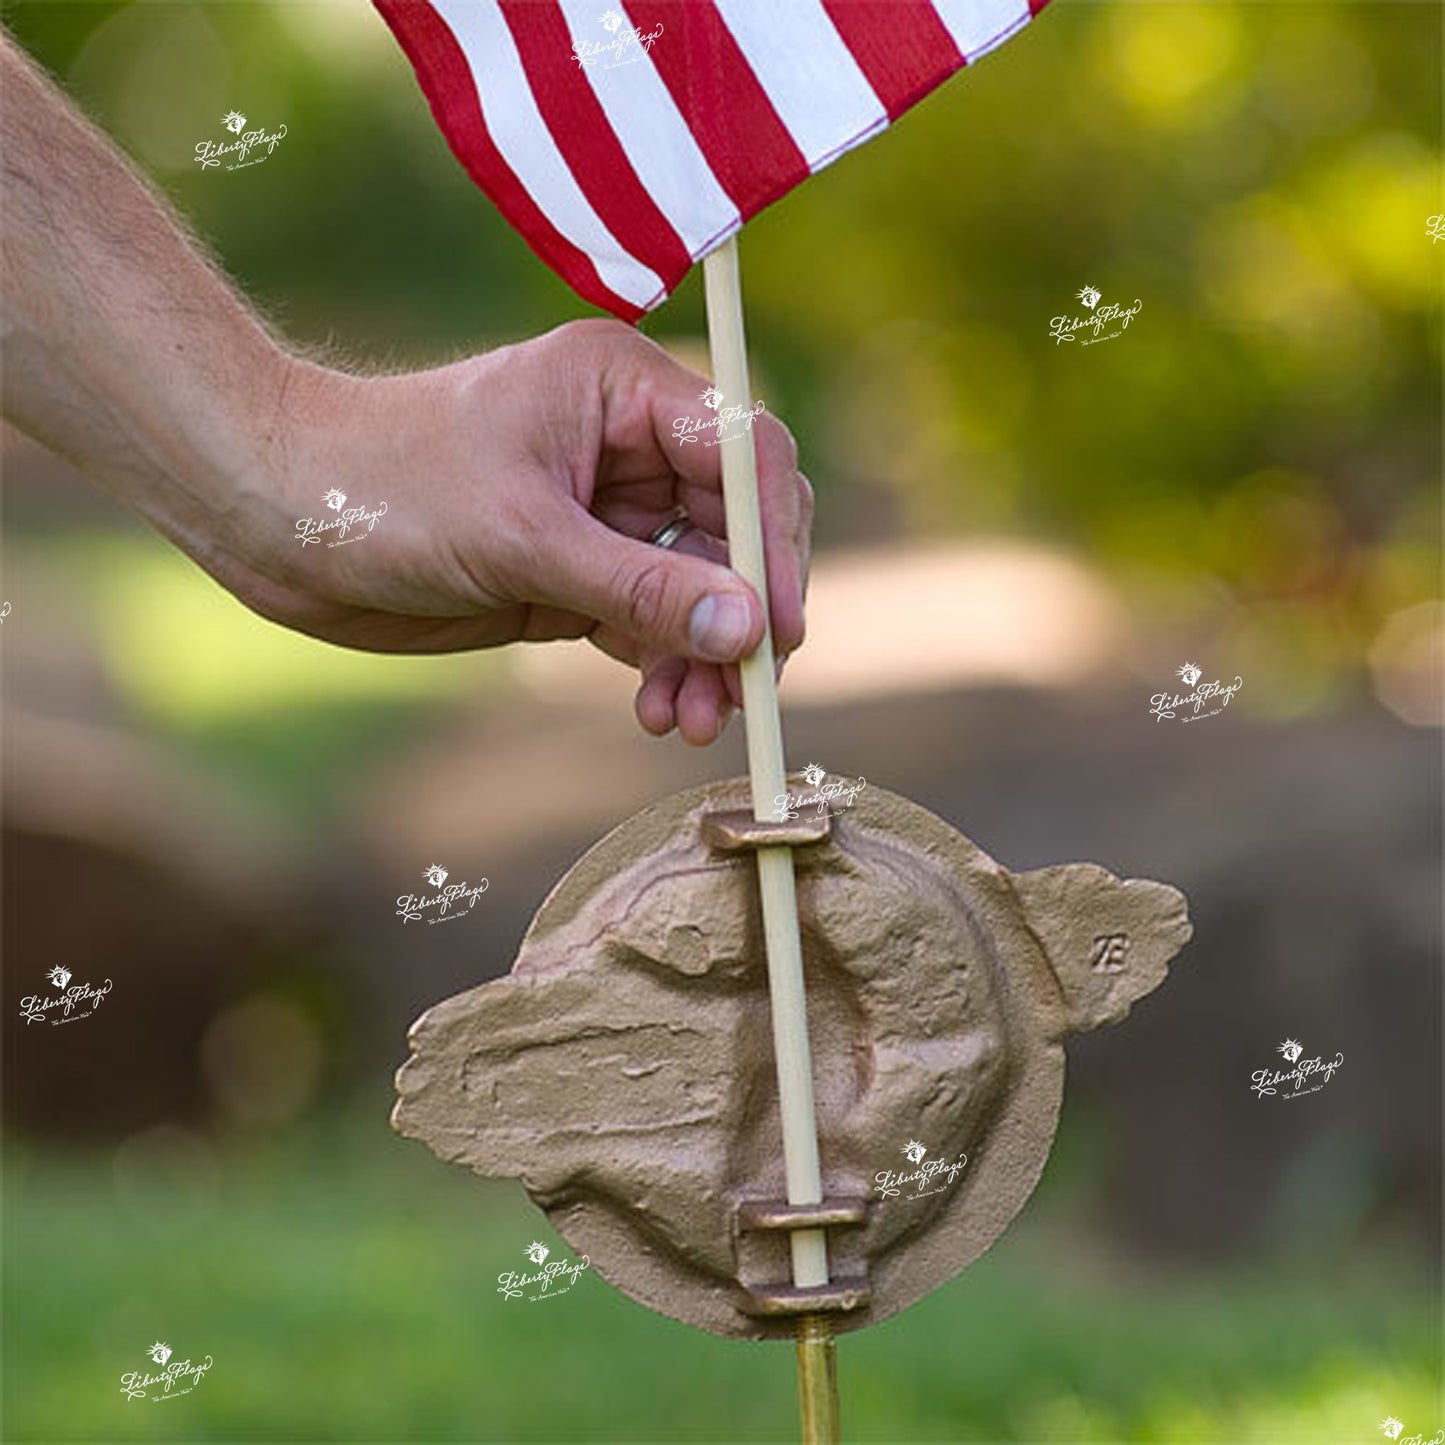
350	1293
1258	175
286	715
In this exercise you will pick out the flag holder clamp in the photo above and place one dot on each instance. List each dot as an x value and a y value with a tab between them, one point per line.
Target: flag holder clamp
736	830
740	830
840	1295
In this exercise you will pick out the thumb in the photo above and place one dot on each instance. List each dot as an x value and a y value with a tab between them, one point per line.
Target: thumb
672	603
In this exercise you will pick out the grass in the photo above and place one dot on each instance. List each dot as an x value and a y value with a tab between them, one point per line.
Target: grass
344	1284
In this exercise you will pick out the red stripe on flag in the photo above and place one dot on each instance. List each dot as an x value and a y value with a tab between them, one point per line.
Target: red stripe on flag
903	55
581	131
732	120
446	80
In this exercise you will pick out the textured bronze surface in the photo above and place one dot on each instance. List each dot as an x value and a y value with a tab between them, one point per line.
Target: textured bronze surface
623	1070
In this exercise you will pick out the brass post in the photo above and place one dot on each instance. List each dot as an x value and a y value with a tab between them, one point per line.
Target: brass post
818	1381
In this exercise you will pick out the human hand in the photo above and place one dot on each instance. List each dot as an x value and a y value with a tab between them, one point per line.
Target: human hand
521	487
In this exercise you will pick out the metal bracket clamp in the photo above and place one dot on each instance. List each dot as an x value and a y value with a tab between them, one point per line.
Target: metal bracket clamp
840	1296
735	830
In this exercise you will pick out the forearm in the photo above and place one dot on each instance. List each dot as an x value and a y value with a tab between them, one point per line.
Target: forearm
125	351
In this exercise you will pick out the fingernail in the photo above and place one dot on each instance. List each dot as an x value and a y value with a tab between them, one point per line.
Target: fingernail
719	626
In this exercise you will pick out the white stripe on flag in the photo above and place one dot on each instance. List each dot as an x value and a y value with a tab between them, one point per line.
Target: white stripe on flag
521	135
809	75
651	129
977	26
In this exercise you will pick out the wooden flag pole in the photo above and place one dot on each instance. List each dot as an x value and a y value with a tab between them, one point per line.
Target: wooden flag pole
817	1375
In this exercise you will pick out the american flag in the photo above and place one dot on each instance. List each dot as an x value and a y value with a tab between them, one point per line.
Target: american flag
626	143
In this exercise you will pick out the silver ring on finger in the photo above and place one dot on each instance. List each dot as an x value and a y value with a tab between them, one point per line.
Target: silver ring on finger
672	532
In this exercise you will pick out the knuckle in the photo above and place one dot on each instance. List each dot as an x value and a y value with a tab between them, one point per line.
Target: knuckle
783	442
805	500
593	329
648	596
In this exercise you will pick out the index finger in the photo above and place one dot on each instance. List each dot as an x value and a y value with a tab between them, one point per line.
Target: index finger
785	500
